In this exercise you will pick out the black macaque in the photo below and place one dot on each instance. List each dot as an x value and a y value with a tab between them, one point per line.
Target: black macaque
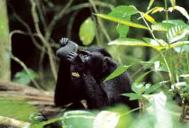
81	74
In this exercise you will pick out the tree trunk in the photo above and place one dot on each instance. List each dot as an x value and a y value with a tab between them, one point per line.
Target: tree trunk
5	46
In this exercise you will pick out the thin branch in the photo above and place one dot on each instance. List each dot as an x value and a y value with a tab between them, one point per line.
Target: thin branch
41	15
65	10
88	5
55	19
100	22
43	40
70	24
26	69
29	31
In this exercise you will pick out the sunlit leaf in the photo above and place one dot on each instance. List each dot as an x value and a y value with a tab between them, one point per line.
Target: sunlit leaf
119	70
150	4
145	42
78	119
181	10
175	22
149	18
159	110
184	75
120	21
138	88
179	43
106	119
152	88
181	46
177	33
124	13
16	108
132	96
124	114
173	2
161	26
156	9
87	31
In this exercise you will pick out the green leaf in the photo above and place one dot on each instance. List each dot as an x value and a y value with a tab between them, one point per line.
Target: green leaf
24	77
141	77
132	96
123	12
156	9
149	18
121	21
106	119
175	22
173	2
152	88
177	33
150	4
122	30
167	24
181	46
145	42
87	31
138	88
161	26
16	108
119	70
78	119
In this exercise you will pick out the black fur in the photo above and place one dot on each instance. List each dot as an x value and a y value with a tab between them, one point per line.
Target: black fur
93	66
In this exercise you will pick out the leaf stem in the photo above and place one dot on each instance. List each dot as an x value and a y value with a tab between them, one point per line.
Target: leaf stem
166	10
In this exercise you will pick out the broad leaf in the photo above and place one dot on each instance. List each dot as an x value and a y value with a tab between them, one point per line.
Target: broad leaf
120	70
175	22
121	21
138	88
16	108
152	88
148	18
132	96
158	108
25	77
181	46
141	77
87	31
161	26
123	11
177	33
122	30
106	119
78	119
145	42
